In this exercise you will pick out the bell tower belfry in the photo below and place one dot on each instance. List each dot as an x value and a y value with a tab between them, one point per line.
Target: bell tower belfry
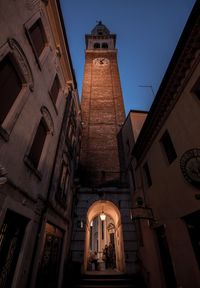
102	188
102	108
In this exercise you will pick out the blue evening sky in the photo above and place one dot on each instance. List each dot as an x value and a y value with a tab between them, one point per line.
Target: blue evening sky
147	34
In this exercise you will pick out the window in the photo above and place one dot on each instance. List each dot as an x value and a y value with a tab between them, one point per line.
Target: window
96	45
105	45
10	86
16	83
147	174
168	147
132	177
38	143
61	194
55	88
196	89
37	37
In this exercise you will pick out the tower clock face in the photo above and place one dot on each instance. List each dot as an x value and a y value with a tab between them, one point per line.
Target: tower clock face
101	61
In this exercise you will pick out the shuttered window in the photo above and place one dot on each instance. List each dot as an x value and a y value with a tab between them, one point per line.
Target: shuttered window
38	37
196	89
10	86
147	174
38	143
168	147
55	89
61	194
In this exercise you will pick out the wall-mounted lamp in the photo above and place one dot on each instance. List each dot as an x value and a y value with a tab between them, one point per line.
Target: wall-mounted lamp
80	224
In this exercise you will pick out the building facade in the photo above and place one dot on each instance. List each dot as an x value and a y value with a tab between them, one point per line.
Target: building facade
103	187
166	165
39	144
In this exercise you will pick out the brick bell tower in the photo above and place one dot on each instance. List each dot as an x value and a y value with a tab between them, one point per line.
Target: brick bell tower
102	109
102	187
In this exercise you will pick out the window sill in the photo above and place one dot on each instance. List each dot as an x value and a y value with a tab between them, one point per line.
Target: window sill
30	165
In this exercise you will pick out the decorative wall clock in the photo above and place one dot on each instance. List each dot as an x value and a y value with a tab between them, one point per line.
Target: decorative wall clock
190	166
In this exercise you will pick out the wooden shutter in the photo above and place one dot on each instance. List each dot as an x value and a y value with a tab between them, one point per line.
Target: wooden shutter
38	143
38	37
55	89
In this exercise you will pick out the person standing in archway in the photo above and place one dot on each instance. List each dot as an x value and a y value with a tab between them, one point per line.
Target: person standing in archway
111	257
106	256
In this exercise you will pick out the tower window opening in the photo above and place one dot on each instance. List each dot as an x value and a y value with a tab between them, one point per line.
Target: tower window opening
96	45
105	45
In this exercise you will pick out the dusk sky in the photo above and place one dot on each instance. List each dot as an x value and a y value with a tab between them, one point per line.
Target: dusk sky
147	34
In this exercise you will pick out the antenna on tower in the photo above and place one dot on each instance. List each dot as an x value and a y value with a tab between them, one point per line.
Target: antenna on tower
148	86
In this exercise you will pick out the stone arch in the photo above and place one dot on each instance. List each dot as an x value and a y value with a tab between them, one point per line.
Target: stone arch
110	209
96	45
19	56
104	45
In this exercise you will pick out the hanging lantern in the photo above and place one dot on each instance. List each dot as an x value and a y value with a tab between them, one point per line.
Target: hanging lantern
103	216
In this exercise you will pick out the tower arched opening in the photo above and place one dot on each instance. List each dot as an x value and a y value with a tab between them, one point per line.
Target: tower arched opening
100	233
96	45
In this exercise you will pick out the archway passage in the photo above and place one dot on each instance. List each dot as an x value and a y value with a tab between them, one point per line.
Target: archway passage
100	233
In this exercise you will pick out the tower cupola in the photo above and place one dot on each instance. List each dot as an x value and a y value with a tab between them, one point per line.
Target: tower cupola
100	30
100	38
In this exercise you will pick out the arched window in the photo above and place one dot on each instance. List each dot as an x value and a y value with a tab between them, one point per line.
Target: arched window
10	85
105	45
96	45
16	81
44	128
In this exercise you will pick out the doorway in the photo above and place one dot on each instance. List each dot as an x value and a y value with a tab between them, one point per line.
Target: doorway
48	271
11	238
104	231
193	225
102	242
166	260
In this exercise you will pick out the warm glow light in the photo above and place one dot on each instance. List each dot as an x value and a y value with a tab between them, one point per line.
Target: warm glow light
103	216
91	224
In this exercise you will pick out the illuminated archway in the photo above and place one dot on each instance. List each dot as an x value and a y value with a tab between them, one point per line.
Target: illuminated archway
113	212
